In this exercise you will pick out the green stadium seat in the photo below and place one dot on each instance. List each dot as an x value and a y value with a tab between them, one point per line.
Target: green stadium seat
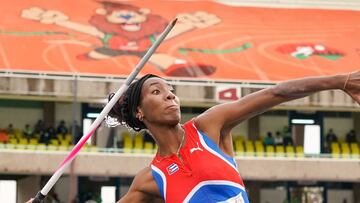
290	152
299	151
139	143
335	150
249	146
68	137
13	141
23	141
355	151
128	143
239	147
345	150
149	148
64	143
33	141
270	150
280	152
258	143
259	147
54	142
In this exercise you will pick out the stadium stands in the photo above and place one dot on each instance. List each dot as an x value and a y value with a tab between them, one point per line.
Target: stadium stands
136	144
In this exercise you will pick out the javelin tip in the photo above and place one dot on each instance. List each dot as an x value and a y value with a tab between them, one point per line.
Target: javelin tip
173	22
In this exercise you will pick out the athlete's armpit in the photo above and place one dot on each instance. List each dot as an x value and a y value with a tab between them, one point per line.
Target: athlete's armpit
142	189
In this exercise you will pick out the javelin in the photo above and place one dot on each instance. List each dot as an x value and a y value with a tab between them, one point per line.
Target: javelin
51	182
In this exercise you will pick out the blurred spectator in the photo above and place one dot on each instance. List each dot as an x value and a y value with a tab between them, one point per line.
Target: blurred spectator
76	131
287	138
351	137
286	131
39	127
52	132
288	141
27	131
331	137
269	139
62	129
10	129
47	135
278	138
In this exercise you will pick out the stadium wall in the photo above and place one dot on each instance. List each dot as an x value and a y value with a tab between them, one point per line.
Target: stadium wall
19	117
127	165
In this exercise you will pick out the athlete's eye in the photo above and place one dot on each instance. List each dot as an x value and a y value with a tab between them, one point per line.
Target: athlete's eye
155	92
171	89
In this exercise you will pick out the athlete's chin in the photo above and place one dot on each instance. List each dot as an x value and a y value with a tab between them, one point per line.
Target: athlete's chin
173	121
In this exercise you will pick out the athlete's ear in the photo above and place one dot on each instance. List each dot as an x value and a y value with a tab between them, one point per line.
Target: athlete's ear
139	114
101	11
144	11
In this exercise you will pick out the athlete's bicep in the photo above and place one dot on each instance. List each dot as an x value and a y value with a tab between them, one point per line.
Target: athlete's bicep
223	117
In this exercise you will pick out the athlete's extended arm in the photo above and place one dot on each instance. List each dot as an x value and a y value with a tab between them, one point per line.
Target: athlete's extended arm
224	117
142	189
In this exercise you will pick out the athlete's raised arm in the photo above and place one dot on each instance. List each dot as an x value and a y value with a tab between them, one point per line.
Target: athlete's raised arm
224	117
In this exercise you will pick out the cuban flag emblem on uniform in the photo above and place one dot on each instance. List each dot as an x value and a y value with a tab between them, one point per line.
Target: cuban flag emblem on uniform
172	168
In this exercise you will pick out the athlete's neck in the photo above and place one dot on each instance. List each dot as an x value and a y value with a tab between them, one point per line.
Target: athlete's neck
168	139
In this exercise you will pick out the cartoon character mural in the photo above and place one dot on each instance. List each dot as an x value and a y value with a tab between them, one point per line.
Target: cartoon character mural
305	50
125	29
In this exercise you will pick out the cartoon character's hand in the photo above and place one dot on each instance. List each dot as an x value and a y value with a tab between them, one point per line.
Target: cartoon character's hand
199	19
46	17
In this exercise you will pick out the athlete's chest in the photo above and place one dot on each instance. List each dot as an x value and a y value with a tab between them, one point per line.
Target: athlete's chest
196	163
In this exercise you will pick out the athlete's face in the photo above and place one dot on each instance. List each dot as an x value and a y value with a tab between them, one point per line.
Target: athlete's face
159	104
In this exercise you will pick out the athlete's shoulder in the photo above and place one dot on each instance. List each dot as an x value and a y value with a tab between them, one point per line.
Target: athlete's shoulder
190	124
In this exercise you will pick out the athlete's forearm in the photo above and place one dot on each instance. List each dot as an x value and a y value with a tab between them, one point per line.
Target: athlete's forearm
298	88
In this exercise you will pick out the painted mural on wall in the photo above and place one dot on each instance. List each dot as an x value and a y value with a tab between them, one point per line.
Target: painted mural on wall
303	51
125	29
210	40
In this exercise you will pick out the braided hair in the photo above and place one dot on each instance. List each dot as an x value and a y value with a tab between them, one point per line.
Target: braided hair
125	109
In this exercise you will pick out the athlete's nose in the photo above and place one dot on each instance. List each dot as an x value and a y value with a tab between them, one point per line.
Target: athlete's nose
170	95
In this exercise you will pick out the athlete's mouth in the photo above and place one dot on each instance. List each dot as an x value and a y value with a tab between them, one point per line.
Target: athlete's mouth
175	107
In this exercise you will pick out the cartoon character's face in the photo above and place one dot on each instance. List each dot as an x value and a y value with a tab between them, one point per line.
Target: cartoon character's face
129	20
